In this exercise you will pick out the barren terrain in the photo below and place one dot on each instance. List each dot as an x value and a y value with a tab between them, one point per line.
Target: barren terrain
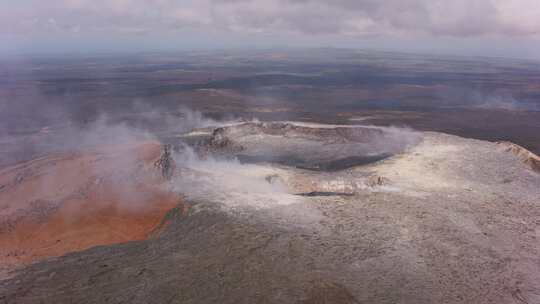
313	176
443	219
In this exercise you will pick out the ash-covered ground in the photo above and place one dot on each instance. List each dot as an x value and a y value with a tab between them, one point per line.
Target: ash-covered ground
431	218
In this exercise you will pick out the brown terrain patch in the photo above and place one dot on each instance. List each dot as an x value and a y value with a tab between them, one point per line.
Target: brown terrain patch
73	201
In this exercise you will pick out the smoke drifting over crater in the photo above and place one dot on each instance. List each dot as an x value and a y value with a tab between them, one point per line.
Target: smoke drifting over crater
263	165
228	182
86	184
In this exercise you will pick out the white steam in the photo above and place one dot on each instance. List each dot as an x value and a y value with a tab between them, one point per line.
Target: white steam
229	182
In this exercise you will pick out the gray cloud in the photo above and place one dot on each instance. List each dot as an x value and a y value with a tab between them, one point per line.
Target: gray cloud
339	17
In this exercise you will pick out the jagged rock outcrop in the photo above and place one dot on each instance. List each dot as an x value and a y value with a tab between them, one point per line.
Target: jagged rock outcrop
375	181
165	163
530	159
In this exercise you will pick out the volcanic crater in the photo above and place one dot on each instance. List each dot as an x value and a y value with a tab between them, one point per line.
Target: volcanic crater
309	146
288	212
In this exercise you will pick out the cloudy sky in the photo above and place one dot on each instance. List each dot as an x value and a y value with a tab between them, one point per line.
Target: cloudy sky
509	28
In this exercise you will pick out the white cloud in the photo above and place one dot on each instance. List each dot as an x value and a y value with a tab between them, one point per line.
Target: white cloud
339	17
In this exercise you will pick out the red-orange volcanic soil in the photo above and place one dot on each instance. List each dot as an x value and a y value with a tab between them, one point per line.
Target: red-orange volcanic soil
69	202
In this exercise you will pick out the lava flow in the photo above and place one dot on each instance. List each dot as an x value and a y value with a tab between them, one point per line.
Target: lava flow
72	201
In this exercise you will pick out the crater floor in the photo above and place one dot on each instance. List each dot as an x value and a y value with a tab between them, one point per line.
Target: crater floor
319	147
